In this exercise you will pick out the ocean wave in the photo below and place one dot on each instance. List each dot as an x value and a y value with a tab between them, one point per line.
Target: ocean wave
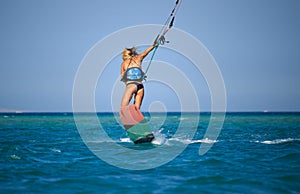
289	157
101	141
15	157
188	141
55	150
159	140
279	141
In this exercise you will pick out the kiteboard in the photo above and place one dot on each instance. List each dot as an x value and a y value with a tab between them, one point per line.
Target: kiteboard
135	124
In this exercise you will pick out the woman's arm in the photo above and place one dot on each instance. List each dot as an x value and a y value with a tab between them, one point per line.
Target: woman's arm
122	69
146	52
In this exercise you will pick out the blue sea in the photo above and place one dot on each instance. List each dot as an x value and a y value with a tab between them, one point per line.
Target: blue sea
46	153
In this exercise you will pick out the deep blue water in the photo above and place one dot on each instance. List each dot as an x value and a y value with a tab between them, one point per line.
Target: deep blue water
254	153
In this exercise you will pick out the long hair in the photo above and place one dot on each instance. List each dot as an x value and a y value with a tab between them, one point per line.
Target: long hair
129	52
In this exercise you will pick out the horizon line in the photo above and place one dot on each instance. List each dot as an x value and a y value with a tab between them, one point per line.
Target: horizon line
205	111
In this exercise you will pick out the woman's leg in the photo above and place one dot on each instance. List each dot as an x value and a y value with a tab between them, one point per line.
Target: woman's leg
139	98
129	91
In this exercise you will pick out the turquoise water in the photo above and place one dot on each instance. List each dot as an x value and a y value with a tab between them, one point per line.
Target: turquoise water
254	153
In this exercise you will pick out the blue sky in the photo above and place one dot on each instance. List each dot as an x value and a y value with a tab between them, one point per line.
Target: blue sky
255	43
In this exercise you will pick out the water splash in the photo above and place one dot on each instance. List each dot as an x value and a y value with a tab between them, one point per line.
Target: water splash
160	138
278	141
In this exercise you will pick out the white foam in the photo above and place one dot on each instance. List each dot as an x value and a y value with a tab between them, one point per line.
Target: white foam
55	150
206	140
184	141
278	141
125	140
157	142
15	157
188	141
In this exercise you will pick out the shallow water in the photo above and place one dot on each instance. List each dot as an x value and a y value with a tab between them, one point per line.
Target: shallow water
254	153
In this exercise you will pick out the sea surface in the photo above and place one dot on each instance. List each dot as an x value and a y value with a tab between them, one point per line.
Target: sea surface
46	153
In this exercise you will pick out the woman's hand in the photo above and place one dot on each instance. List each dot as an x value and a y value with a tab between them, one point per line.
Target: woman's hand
160	40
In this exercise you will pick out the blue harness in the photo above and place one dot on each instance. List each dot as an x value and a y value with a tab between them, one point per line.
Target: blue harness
133	74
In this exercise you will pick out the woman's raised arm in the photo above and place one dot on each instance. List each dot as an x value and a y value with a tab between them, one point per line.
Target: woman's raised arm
146	52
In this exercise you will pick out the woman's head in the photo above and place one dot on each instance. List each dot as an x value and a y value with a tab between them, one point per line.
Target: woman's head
129	52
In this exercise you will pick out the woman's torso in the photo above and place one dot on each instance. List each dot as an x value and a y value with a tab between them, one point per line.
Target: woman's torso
132	70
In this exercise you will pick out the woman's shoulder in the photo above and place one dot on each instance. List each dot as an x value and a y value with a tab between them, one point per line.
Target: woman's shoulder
126	61
138	58
124	64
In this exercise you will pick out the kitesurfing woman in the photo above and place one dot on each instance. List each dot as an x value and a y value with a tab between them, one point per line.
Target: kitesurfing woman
132	75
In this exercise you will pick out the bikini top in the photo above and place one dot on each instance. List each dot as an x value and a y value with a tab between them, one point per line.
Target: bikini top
133	74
